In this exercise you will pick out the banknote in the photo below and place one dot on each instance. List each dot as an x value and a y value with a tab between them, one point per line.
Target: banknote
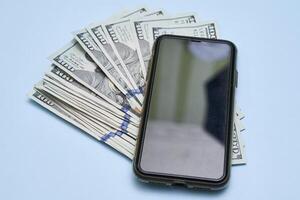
51	87
137	13
203	30
99	37
125	141
97	81
98	123
97	33
117	124
95	101
141	33
106	63
238	147
63	111
240	125
81	67
72	86
157	13
120	35
239	115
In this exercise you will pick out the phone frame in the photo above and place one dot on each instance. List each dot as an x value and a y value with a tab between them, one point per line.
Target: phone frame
179	179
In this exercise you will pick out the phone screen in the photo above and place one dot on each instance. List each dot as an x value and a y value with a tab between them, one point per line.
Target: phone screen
188	111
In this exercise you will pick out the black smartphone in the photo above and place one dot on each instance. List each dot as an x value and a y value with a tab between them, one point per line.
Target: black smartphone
185	132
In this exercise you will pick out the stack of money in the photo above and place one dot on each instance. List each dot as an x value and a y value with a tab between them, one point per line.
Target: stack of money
97	81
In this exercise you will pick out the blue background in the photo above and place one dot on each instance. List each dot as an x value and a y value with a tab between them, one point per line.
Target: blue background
43	157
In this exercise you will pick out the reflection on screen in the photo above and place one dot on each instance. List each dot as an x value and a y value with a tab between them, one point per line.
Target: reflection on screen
186	124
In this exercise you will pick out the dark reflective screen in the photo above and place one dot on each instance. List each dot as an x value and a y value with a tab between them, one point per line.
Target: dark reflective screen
187	118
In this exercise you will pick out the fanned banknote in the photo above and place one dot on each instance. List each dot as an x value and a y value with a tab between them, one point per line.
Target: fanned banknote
203	30
141	33
106	43
238	147
106	63
95	101
82	68
121	37
70	115
55	90
97	81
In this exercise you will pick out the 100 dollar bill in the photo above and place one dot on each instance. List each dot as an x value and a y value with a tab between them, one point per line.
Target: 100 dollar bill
82	68
54	88
142	36
238	147
77	89
203	30
121	38
70	115
106	63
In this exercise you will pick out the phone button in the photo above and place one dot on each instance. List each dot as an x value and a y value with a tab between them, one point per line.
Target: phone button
236	78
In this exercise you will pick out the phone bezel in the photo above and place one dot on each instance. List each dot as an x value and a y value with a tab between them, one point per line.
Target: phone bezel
179	179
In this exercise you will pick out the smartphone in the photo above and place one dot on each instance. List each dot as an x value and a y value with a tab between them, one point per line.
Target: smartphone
185	132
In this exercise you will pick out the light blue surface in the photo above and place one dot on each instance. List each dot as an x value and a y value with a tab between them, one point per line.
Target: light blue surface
42	157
